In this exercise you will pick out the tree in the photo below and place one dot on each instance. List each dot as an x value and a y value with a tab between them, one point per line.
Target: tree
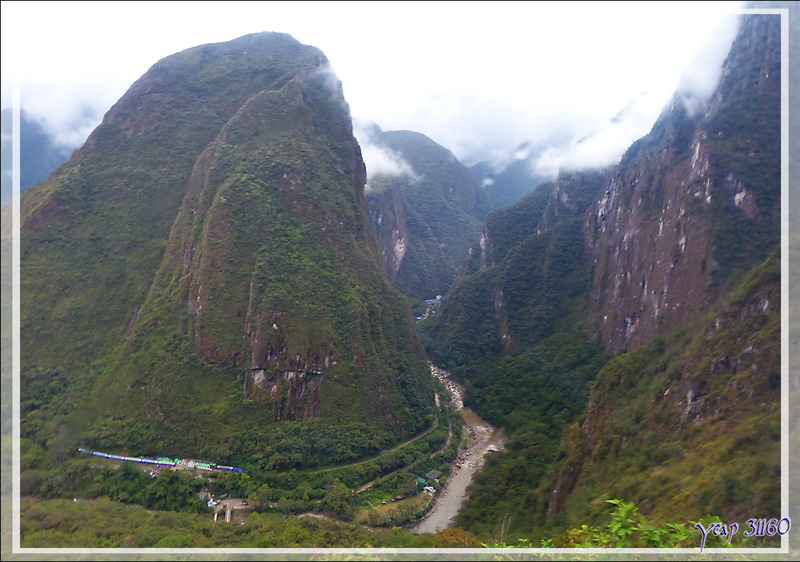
260	498
338	500
286	505
455	537
408	484
304	488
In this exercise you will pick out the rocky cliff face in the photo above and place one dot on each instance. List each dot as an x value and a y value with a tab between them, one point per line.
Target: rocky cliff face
694	202
702	409
690	208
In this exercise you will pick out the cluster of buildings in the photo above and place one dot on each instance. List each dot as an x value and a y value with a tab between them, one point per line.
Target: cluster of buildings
431	306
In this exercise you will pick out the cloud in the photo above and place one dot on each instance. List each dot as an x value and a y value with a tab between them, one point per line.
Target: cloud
702	73
379	160
479	127
480	80
69	113
328	78
606	143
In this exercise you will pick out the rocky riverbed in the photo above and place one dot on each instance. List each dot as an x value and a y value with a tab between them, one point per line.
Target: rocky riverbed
482	438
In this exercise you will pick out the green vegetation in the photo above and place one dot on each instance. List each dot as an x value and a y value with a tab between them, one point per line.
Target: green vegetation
657	430
269	487
686	424
628	528
103	523
702	433
201	281
744	139
513	331
437	211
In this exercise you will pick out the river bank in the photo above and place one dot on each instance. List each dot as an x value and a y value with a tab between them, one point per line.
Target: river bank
482	438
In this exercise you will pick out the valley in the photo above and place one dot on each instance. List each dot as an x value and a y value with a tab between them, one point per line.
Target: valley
214	275
479	439
482	439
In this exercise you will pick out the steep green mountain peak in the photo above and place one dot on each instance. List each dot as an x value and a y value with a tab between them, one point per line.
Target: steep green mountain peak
693	205
207	255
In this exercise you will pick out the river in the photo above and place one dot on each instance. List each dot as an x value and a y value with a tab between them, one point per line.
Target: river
482	438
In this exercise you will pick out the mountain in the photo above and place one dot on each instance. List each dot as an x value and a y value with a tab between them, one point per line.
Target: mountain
682	197
514	180
691	418
39	155
201	275
424	220
626	321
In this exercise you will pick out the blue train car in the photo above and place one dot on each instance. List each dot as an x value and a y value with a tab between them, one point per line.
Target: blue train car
161	461
230	468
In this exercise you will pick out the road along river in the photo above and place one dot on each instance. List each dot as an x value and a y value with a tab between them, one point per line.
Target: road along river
482	438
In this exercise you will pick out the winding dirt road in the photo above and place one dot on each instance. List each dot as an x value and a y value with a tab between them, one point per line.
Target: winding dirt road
376	457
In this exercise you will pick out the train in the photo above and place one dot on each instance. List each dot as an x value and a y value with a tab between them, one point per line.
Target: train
165	461
230	468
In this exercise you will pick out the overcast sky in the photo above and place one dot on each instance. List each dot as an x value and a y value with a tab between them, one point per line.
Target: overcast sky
480	78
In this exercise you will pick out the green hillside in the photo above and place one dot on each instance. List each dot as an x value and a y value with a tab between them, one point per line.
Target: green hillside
425	221
203	270
685	427
210	277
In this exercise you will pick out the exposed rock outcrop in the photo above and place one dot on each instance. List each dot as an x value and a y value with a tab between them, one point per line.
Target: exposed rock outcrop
691	203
